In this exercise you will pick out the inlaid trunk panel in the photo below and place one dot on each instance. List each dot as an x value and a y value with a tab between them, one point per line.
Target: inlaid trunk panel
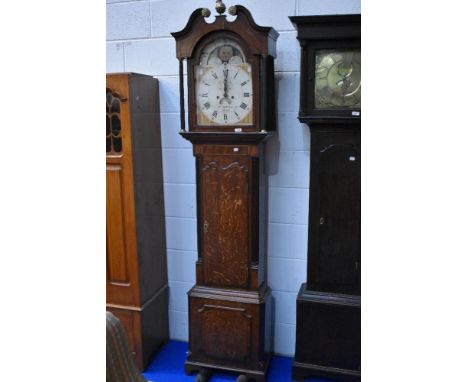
231	333
225	220
116	256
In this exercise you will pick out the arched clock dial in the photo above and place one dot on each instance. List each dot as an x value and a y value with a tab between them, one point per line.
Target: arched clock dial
338	79
223	89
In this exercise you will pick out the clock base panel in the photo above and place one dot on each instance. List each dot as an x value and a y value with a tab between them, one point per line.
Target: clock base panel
328	336
229	331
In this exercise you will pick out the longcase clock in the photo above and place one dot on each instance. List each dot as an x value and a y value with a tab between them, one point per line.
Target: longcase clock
231	114
135	236
328	329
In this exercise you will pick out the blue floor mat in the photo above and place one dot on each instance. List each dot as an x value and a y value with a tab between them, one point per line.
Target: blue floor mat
168	366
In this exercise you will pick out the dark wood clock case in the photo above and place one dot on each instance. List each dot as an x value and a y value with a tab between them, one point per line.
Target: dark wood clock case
136	282
229	307
328	330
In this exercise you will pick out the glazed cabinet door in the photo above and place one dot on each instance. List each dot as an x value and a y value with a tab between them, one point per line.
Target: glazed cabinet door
335	221
225	224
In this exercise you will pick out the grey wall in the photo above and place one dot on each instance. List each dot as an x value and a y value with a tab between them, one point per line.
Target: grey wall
138	40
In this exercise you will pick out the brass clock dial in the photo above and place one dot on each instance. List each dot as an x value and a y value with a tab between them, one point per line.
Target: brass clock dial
223	85
338	79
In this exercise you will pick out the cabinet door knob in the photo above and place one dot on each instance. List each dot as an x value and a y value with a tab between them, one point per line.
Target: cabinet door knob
205	227
322	220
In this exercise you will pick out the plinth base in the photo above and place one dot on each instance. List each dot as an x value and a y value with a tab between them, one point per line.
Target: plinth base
228	331
328	336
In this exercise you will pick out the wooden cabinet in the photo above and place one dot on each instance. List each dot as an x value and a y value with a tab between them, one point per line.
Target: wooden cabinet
328	330
135	227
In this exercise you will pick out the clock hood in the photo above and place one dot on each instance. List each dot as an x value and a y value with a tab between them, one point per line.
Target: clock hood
262	43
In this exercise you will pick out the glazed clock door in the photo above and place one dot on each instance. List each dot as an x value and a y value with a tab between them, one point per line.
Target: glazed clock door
223	78
334	87
338	79
336	264
225	212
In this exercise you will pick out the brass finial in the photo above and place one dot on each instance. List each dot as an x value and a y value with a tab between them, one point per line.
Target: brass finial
220	7
205	12
232	10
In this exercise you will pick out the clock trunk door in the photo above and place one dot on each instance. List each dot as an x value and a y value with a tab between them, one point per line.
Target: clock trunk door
336	264
225	212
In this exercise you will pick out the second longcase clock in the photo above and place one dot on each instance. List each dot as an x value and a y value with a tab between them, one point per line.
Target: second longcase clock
231	113
328	329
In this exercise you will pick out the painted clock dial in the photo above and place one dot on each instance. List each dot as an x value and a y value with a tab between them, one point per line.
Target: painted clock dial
223	88
338	79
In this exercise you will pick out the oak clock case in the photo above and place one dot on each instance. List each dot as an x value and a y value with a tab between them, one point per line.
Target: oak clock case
136	279
328	324
231	114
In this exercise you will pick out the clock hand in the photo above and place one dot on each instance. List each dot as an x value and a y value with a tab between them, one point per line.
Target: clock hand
225	95
345	83
226	71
